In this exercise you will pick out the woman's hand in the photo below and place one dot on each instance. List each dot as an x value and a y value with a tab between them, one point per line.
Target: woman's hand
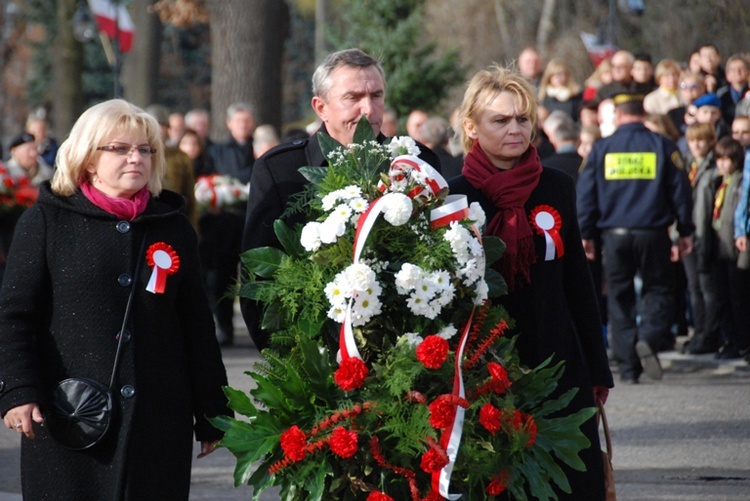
22	417
600	394
207	448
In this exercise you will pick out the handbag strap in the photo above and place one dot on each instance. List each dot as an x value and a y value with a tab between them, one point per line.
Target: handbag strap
136	272
605	427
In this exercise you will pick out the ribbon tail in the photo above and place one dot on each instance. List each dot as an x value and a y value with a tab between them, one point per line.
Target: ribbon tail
153	281
451	438
347	343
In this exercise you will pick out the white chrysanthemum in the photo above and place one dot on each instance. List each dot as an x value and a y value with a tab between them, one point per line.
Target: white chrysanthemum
351	191
343	211
337	313
427	287
482	290
329	201
359	276
332	228
476	214
407	277
398	185
335	293
447	332
410	339
446	295
403	145
365	307
440	278
310	238
397	208
358	204
475	247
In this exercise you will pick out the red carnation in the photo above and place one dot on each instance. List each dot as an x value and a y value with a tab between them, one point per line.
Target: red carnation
442	411
433	351
379	496
293	443
433	460
500	381
344	442
499	483
351	374
490	418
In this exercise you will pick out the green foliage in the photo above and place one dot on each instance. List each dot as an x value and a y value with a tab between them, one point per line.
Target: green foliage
418	77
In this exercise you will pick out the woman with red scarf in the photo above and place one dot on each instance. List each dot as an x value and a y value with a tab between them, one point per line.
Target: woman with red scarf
101	229
532	209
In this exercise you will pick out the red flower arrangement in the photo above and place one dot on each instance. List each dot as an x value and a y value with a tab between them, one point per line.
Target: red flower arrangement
303	419
15	192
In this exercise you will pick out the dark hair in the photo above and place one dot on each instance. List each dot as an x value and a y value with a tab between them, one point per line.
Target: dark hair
728	147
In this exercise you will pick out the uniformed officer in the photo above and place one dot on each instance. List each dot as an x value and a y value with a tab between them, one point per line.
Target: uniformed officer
632	188
347	85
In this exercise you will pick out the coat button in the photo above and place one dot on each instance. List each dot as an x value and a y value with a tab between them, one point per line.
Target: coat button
127	391
2	386
125	336
124	280
123	226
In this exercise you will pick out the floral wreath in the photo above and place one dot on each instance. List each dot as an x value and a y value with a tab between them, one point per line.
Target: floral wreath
389	373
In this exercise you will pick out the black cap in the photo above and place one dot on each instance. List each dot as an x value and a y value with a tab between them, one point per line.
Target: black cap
22	138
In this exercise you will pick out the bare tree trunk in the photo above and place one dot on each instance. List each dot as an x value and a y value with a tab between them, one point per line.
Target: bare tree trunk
67	69
545	26
140	73
247	50
321	20
502	24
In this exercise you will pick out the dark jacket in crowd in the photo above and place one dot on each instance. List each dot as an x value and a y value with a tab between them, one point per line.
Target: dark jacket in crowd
231	159
61	307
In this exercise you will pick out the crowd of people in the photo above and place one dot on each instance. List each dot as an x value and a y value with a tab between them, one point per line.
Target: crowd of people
656	246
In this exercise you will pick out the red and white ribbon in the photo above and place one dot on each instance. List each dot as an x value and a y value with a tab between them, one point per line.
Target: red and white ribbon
547	221
434	182
455	208
164	261
347	343
450	440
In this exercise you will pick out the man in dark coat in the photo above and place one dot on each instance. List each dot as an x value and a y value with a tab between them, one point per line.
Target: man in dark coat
564	134
632	188
348	85
221	231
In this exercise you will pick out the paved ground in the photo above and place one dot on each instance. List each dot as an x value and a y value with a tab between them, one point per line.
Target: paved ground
684	438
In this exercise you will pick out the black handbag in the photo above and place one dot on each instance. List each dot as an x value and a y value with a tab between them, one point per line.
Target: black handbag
83	409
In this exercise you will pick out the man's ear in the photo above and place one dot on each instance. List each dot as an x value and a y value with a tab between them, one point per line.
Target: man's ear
319	106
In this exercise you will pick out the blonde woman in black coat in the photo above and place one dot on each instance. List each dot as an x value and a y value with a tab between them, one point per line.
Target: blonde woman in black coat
63	301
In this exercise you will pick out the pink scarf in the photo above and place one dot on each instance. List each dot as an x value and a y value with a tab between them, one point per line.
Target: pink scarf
123	208
508	190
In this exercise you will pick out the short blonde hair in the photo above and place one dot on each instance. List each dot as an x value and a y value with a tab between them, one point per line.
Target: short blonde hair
554	67
484	86
665	67
92	130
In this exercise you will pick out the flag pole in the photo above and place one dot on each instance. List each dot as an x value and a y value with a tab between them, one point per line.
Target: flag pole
117	56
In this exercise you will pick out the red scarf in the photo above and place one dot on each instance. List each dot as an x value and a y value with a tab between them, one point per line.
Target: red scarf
508	190
124	208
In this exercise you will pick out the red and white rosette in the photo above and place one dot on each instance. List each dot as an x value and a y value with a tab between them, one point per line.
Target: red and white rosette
164	260
547	221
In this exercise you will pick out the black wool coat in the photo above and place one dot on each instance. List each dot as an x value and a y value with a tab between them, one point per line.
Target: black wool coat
557	314
62	304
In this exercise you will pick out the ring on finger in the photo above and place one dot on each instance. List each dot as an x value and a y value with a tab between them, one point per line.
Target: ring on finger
17	425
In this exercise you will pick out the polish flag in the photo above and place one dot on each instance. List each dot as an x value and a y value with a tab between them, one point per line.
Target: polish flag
111	16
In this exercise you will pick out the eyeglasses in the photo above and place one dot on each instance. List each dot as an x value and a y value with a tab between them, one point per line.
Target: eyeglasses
125	150
685	86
